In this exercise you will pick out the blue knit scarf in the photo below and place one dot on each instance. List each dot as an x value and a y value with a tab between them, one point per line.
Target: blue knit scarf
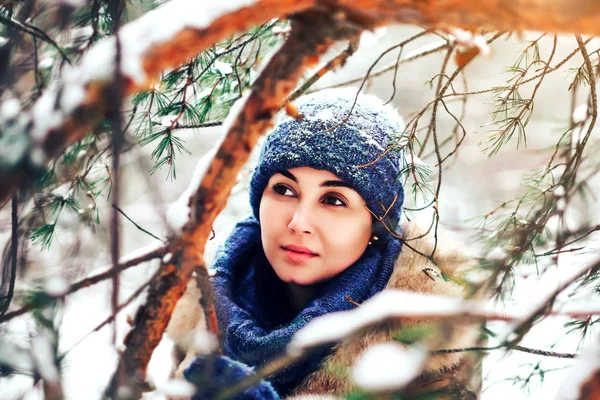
256	331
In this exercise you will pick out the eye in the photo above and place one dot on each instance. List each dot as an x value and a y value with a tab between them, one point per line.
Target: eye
333	200
282	190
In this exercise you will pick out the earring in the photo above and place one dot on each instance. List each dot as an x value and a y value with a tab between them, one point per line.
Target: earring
373	239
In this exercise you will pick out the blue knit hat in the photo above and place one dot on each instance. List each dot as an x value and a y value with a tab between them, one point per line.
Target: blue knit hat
348	141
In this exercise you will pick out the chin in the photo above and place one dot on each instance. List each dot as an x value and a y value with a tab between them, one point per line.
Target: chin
297	280
302	282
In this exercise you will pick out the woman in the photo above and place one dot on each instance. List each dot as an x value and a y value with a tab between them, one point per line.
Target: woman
325	236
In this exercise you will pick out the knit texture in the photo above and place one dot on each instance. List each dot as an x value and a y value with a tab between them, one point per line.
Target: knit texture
211	374
348	140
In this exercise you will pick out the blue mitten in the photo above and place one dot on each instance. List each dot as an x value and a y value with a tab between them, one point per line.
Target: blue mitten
212	374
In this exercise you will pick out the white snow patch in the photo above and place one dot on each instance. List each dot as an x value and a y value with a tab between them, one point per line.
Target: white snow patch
223	68
72	96
388	366
370	140
177	388
587	365
204	342
178	213
325	114
46	63
9	109
482	44
461	36
168	120
167	258
580	113
497	254
371	38
387	304
56	286
45	116
43	355
559	191
37	156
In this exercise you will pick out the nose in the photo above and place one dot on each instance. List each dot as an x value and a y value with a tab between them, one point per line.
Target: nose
301	220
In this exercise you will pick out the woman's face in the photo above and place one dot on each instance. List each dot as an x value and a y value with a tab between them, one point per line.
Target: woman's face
313	225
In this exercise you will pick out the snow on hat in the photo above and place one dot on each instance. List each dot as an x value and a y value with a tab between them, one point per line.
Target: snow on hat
348	141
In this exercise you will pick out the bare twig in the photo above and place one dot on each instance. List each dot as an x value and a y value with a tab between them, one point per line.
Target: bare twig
150	255
116	144
11	274
546	353
338	60
35	32
112	317
137	225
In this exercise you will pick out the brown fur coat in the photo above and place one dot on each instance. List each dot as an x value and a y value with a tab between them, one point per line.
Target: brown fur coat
452	376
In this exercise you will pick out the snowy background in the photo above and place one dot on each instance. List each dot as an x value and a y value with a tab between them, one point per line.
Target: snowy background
473	185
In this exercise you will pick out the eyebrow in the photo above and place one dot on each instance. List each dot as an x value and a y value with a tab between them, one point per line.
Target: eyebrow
292	177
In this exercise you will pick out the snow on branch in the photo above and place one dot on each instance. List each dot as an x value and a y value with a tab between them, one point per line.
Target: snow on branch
160	39
583	380
389	304
398	304
386	367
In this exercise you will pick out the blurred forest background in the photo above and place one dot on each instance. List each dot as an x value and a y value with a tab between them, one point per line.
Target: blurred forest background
505	158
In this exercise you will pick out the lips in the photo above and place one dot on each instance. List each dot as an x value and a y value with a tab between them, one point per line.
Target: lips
298	254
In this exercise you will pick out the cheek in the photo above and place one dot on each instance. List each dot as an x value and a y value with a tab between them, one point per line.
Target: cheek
348	238
267	214
273	215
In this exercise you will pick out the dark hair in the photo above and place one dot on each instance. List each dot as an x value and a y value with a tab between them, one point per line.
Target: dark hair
271	293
